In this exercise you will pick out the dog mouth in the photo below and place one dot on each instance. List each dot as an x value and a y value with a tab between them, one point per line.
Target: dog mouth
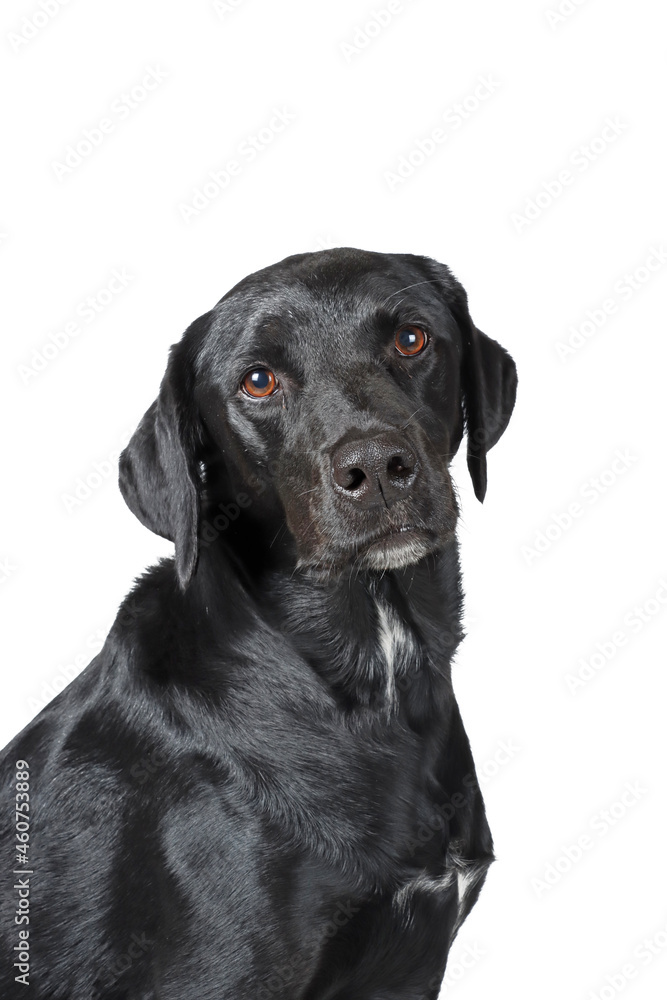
395	533
396	546
376	539
393	547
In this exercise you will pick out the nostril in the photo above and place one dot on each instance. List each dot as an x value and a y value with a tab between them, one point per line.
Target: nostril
355	478
374	471
399	467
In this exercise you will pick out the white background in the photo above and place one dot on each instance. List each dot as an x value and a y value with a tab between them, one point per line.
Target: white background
323	181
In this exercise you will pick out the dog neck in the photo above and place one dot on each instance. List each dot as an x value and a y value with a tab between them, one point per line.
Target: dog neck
381	642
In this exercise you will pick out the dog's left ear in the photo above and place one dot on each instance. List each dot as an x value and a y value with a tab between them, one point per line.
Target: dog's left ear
158	471
488	385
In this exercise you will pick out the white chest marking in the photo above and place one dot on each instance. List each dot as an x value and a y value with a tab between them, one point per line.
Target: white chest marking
397	646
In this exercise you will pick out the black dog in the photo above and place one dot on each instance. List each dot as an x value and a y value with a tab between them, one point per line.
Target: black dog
261	787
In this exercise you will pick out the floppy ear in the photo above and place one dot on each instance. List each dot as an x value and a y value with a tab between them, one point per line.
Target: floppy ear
488	384
158	470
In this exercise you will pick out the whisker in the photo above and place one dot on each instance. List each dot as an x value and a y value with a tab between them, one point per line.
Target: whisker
275	537
423	407
426	281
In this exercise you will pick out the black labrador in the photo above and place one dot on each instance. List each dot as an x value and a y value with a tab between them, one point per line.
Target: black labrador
261	787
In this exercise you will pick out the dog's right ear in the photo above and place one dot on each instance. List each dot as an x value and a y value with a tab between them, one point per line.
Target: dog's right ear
489	383
488	378
158	471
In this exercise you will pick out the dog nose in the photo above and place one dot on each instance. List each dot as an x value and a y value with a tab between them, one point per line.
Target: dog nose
374	470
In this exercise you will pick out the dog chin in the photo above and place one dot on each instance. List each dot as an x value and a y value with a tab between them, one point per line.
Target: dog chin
397	550
394	550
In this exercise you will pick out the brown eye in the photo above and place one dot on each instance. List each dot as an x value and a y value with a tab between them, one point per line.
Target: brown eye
410	340
259	382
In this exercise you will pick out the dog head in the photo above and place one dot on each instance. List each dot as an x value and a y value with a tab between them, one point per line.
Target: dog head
323	397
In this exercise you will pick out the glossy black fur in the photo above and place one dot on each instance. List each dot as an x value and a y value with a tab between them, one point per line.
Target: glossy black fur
245	794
